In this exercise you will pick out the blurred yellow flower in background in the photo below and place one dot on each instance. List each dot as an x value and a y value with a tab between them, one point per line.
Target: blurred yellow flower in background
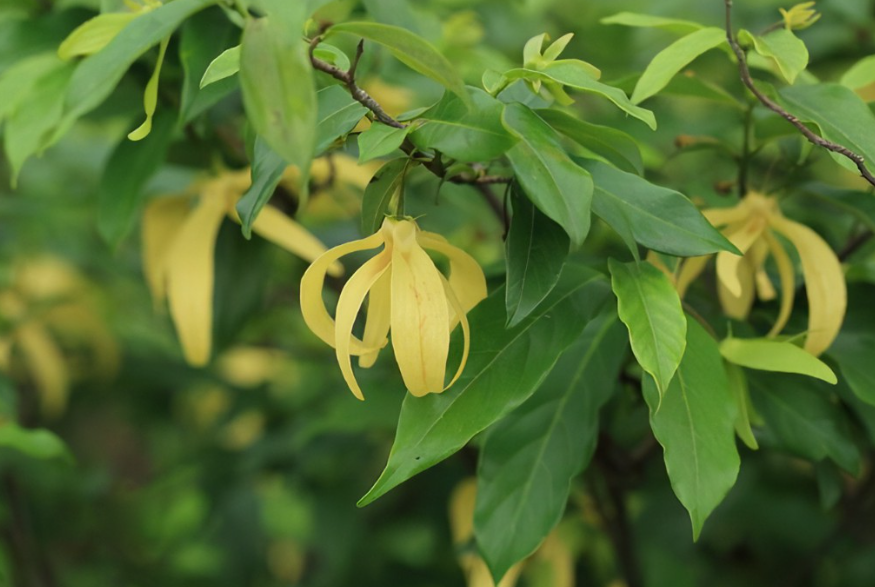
179	237
47	317
754	225
407	294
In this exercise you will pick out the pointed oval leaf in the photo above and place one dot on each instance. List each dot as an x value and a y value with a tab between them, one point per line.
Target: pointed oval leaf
223	66
775	355
338	114
783	47
380	140
204	36
634	19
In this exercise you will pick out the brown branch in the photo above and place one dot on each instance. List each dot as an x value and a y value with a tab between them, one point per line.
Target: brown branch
746	78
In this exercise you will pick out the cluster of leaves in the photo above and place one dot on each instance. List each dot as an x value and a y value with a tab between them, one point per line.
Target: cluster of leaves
586	357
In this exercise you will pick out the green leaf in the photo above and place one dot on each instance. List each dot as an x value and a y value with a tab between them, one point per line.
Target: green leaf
203	37
558	187
381	189
98	74
656	217
531	456
650	308
131	165
35	443
839	113
671	60
774	355
267	170
694	423
380	140
29	126
633	19
338	114
277	82
613	145
468	134
536	249
783	47
411	50
331	54
854	352
740	392
17	82
504	368
801	419
223	66
860	75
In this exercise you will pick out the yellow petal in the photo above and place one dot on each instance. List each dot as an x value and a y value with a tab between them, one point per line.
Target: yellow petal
313	306
824	282
378	319
689	271
466	330
654	259
466	277
288	234
150	97
190	275
758	254
420	314
93	35
351	299
788	281
46	366
729	264
738	306
162	219
723	216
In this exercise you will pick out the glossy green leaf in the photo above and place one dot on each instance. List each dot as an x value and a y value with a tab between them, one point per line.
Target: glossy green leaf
783	47
204	36
536	249
384	186
839	113
504	368
98	74
411	50
650	308
267	170
860	75
531	456
633	19
36	443
774	355
558	187
278	92
855	354
801	419
331	54
380	140
468	134
613	145
694	423
223	66
338	115
131	165
741	394
653	216
671	60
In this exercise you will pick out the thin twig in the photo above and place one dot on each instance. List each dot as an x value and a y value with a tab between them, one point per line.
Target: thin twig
746	78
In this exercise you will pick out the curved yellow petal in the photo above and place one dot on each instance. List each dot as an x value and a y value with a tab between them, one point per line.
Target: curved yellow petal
288	234
315	314
46	366
729	264
738	306
723	216
824	282
466	276
351	299
190	276
150	96
94	34
420	314
456	305
757	256
378	319
689	270
787	278
162	219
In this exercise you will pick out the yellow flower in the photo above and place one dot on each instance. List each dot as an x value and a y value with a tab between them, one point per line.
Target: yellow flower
46	305
753	226
407	295
95	34
801	16
179	237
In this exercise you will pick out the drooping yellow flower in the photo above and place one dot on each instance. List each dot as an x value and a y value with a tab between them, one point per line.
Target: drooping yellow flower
754	226
46	310
801	16
95	34
179	237
407	294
